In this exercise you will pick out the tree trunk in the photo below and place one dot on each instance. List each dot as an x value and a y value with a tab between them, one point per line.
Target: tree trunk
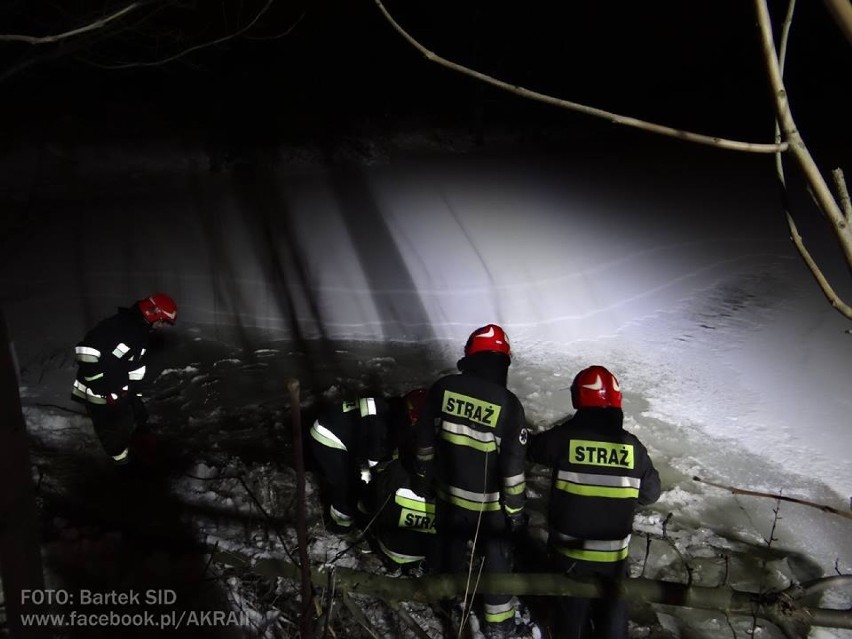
20	548
776	607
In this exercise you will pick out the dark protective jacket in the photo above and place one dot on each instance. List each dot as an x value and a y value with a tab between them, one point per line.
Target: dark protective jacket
110	358
359	428
404	522
471	443
601	473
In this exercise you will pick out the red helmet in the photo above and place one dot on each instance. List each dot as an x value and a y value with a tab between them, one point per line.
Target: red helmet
158	307
488	338
595	386
414	401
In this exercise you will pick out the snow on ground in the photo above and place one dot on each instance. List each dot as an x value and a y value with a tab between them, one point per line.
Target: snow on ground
735	369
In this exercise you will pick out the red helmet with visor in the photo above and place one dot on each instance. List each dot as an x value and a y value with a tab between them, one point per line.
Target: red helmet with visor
489	338
159	307
595	387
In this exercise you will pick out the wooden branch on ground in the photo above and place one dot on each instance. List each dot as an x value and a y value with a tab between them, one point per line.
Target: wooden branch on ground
776	607
754	493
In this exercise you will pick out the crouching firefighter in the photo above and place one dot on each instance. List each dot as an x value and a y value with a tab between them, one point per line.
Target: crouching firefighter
402	521
347	440
111	367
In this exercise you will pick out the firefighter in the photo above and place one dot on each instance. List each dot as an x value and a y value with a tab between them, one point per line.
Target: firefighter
111	367
471	449
403	522
601	473
348	439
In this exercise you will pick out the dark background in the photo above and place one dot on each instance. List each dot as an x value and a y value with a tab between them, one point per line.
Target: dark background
321	71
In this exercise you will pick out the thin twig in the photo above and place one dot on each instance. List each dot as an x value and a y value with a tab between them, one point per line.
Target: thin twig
359	615
187	51
397	607
753	493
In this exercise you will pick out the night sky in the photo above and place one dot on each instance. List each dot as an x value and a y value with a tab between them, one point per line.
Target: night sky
342	69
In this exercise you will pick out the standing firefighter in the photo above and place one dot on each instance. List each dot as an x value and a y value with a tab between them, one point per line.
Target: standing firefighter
348	440
471	448
110	369
601	473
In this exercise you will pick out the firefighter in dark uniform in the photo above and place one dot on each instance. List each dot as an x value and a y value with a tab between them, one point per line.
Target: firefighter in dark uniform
601	473
348	439
403	523
111	367
471	450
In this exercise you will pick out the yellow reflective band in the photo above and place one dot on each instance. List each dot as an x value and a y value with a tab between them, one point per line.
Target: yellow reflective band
468	504
136	374
498	617
87	354
414	504
626	492
367	406
91	378
326	437
341	519
515	490
470	408
593	555
462	440
399	557
121	350
122	455
349	406
591	453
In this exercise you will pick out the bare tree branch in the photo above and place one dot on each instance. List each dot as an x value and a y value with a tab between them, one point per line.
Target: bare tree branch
788	138
93	26
615	118
843	192
841	11
819	188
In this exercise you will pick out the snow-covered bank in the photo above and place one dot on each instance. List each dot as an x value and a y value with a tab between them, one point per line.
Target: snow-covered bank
676	275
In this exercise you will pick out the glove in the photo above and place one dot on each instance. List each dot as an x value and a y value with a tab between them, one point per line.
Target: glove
113	399
517	524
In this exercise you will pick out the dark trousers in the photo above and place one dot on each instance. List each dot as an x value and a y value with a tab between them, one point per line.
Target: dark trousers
338	477
581	618
114	423
456	526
